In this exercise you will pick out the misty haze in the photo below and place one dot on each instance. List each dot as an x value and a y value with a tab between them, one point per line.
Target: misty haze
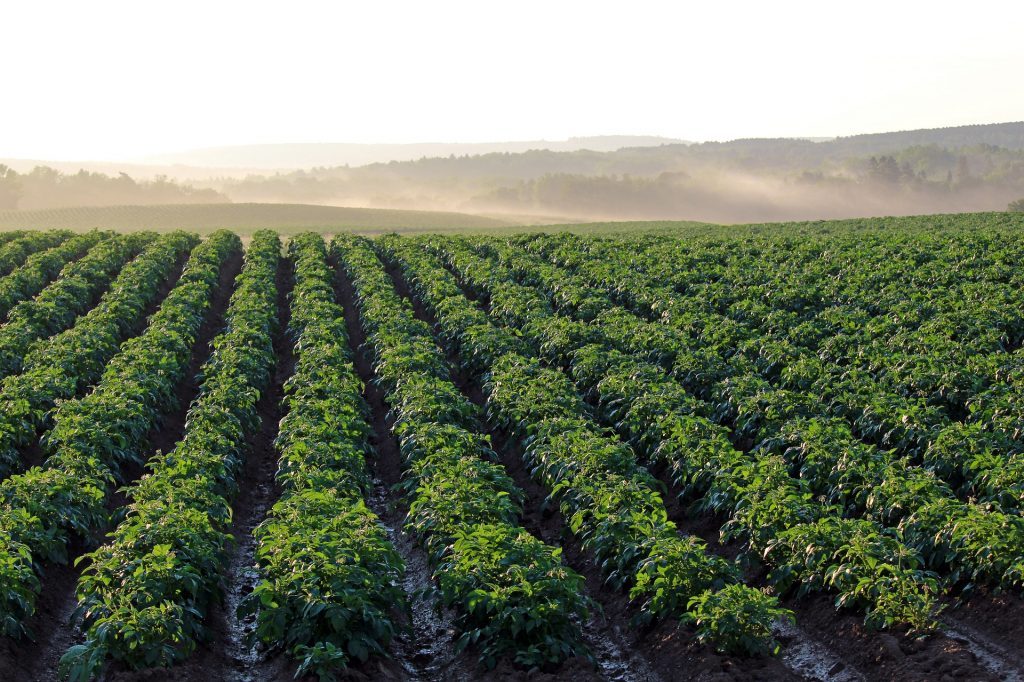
968	168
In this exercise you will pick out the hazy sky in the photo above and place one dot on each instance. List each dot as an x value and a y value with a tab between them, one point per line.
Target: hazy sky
121	80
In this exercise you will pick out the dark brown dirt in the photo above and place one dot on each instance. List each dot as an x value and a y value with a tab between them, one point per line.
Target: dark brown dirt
886	656
995	621
33	454
51	624
999	617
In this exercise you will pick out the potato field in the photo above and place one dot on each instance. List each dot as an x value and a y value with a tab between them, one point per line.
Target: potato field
756	453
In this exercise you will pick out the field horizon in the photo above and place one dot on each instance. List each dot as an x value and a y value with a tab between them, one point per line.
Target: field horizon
289	219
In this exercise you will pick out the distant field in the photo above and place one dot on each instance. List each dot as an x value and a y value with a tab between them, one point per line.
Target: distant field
244	219
290	219
294	218
907	224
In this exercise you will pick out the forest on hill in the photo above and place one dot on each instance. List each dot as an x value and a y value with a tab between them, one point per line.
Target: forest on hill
946	170
968	168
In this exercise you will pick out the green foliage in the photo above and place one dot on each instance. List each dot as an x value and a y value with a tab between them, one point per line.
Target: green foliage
849	408
738	619
41	267
515	598
742	365
672	427
608	500
57	307
676	571
330	579
42	509
144	594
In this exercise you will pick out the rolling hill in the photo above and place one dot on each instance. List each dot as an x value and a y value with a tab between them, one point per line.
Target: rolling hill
245	218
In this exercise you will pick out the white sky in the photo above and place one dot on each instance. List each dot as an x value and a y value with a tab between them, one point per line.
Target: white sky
122	80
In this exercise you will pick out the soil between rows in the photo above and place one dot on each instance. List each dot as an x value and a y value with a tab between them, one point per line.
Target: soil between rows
51	624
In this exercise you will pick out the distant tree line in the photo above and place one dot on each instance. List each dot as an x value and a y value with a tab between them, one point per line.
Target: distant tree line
727	181
45	187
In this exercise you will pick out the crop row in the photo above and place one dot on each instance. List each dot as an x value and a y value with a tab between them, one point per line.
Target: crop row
11	235
40	508
144	594
57	306
514	595
330	579
60	366
972	543
41	267
803	541
16	251
608	499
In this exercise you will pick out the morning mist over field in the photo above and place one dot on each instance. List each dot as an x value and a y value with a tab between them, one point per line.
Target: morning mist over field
570	112
971	168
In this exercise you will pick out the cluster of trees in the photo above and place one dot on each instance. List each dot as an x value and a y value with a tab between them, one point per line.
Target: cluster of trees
45	187
10	188
949	170
887	170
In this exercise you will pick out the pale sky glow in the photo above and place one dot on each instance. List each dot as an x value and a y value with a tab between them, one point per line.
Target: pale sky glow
123	80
